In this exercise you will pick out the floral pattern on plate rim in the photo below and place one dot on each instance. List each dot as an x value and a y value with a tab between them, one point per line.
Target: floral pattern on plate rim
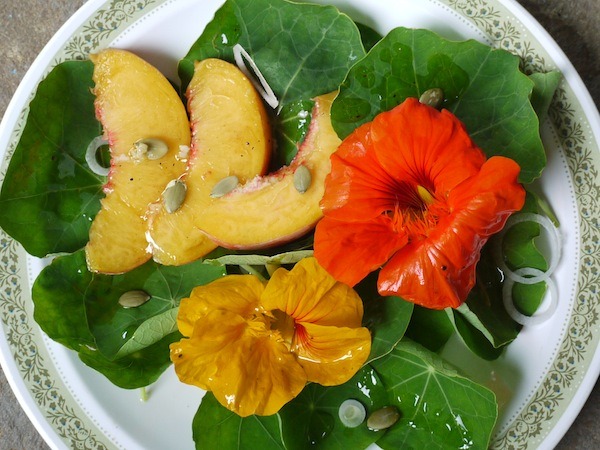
543	409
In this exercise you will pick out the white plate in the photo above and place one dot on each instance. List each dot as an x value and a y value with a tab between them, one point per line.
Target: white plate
544	377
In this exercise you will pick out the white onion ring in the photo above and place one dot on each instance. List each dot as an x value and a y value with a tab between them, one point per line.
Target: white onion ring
263	88
555	246
90	156
539	316
352	413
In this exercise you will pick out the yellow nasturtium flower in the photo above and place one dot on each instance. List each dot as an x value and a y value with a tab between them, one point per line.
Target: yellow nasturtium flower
255	346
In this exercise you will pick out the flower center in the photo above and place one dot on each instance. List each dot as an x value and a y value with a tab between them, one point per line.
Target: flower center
284	325
425	195
415	211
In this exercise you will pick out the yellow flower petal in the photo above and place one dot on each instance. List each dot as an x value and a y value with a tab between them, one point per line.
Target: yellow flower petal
235	293
308	293
197	359
259	378
248	371
331	355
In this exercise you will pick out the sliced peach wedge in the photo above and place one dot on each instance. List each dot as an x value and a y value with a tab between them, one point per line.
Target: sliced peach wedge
281	206
231	140
145	123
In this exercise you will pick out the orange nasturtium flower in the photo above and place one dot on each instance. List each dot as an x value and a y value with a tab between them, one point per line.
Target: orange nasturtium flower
410	193
255	346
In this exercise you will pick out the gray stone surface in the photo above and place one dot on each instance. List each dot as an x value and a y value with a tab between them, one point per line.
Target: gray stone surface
26	25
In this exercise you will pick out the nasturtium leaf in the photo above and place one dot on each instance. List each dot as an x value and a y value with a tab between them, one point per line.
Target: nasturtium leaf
133	371
303	50
312	418
545	85
438	407
80	310
483	87
49	195
430	327
60	304
369	36
150	332
291	126
387	318
476	335
217	428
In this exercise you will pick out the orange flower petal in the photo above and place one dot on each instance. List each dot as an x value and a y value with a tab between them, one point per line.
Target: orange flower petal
308	293
488	199
235	293
350	251
331	355
420	144
357	188
439	272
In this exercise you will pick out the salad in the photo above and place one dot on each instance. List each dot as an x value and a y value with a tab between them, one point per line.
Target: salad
100	315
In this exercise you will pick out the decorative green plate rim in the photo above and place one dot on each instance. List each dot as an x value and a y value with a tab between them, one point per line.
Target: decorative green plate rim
536	419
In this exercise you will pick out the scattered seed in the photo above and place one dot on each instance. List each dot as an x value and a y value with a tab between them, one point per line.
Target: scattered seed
225	186
302	179
383	418
174	195
133	299
433	97
150	148
138	151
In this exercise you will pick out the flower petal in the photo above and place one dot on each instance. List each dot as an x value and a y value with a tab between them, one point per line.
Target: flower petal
423	274
439	271
486	201
350	251
331	355
236	293
420	144
259	378
247	370
308	293
357	188
198	358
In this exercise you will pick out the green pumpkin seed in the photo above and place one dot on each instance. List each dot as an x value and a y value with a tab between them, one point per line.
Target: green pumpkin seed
225	186
174	195
133	299
150	148
433	97
383	418
302	179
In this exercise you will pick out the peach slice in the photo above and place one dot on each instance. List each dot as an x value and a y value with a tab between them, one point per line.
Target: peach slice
284	205
134	101
231	137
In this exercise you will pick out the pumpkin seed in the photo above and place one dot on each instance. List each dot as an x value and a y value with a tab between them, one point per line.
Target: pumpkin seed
138	151
302	179
133	299
174	195
383	418
225	186
433	97
150	148
156	148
